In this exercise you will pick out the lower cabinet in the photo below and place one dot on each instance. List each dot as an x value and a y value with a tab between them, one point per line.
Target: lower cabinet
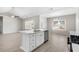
25	42
39	38
32	41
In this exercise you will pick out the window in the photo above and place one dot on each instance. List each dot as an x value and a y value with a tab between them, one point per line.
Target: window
58	23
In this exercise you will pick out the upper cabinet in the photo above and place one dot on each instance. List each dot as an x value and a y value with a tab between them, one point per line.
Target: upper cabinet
59	23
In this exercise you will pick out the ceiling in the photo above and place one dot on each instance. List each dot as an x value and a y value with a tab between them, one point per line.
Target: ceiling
24	12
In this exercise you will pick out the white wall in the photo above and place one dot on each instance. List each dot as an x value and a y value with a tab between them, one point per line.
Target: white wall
77	21
35	20
10	25
43	22
70	22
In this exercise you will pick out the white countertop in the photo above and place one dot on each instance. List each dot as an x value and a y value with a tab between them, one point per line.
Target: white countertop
74	33
29	31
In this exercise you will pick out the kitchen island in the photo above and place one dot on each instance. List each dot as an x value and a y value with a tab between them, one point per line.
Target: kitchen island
32	39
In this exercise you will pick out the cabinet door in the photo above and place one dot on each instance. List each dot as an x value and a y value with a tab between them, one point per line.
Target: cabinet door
32	42
39	38
25	42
